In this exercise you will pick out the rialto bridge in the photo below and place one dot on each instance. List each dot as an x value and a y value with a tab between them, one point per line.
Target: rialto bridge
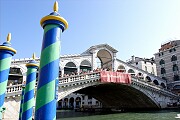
144	91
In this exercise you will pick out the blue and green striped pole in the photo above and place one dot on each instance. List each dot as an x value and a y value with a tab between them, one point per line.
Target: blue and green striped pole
28	101
21	104
6	53
53	26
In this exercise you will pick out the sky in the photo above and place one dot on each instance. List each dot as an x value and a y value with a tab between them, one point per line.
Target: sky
133	27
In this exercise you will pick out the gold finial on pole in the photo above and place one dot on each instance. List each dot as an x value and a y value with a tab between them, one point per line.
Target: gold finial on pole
34	56
56	6
9	37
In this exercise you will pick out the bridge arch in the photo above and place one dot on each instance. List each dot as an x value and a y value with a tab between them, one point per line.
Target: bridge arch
70	68
105	57
121	68
85	65
156	82
131	71
140	75
163	85
148	79
65	103
130	97
78	102
71	102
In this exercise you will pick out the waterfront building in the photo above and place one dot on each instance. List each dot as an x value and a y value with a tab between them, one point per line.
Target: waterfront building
145	64
76	101
167	60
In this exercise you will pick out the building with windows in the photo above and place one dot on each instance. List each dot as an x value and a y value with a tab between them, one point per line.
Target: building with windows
168	62
76	100
145	64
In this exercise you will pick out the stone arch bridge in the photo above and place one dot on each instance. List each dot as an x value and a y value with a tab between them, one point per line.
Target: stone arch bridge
139	94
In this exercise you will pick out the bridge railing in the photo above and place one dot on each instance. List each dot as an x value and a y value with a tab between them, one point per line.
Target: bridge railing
13	90
153	86
16	89
81	77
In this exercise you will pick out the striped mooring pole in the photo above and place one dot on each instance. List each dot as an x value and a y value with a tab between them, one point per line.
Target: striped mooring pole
6	53
21	104
53	26
28	101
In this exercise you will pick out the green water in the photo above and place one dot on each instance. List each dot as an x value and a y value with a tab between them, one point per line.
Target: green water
151	115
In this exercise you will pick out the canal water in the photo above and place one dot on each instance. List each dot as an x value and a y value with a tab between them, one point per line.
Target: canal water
148	115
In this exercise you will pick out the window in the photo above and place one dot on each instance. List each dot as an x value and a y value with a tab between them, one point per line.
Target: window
162	53
83	97
89	97
170	50
176	77
161	62
173	58
174	49
163	71
164	78
145	68
152	70
159	54
136	63
175	67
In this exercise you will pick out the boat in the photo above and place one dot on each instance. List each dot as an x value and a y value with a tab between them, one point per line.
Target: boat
178	116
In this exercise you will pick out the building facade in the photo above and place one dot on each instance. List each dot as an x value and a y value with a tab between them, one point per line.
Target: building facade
145	64
167	60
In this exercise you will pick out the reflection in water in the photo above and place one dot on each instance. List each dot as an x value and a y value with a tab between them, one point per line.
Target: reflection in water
146	115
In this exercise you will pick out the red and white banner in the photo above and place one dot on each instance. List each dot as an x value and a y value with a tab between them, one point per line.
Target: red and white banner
115	77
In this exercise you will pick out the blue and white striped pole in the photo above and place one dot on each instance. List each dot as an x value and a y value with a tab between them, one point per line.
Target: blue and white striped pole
28	102
53	26
6	53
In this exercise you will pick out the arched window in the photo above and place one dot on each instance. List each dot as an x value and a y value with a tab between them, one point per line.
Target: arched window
163	71
148	79
130	71
163	85
71	102
175	67
156	82
70	68
121	68
161	62
173	58
176	77
85	66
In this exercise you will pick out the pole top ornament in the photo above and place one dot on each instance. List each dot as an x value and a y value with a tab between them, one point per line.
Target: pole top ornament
56	6
34	56
9	37
54	18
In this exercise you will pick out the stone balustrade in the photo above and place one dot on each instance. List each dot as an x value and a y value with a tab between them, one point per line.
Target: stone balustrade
63	82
